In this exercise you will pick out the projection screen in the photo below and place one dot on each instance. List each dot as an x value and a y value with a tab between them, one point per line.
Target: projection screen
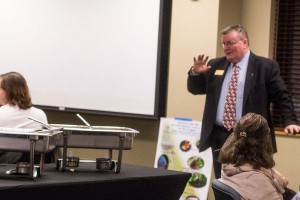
88	55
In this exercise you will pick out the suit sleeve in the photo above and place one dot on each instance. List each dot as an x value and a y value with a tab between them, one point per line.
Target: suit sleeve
196	84
281	97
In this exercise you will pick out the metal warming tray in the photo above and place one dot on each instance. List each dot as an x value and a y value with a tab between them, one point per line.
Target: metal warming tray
18	139
96	137
28	140
42	145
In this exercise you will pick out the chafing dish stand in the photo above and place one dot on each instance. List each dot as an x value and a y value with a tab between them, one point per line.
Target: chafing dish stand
16	139
75	135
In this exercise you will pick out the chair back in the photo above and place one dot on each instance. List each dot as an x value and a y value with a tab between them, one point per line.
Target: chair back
223	191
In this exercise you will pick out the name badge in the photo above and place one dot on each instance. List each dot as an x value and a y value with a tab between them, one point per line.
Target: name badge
219	72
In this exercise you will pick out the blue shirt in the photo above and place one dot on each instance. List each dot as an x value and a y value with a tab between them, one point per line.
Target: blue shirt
243	64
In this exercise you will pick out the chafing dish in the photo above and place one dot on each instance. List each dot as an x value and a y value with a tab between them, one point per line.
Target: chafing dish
95	137
28	140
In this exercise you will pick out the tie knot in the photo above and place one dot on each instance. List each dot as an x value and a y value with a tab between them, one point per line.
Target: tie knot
236	68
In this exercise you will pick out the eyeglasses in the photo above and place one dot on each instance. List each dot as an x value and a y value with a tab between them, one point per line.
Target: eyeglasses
230	43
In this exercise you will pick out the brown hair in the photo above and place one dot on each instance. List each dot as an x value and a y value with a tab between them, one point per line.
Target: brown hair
17	91
238	28
250	143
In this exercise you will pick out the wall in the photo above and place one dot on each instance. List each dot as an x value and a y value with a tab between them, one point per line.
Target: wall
194	32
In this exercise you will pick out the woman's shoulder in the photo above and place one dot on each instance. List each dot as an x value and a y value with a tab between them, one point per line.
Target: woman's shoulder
6	109
259	186
35	109
37	113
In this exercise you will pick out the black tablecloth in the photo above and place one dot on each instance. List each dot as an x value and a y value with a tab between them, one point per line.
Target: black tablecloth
133	182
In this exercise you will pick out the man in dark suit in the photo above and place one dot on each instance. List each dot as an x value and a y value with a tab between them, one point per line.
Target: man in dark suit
259	84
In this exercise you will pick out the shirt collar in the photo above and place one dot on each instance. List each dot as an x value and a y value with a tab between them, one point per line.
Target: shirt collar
244	62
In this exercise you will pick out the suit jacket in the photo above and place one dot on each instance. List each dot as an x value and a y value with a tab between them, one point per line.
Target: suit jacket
263	86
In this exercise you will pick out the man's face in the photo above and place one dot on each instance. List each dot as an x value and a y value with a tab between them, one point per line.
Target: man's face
234	47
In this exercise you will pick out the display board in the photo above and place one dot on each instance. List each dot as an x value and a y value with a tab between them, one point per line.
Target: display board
178	149
107	56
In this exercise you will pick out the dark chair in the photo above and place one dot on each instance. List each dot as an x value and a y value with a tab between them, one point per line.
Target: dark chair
223	191
289	194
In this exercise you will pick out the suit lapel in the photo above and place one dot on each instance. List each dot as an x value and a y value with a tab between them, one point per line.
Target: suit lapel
219	81
250	77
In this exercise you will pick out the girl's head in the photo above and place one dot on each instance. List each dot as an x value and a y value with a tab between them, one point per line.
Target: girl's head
14	90
249	143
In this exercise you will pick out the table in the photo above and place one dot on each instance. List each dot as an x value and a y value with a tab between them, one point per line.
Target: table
133	182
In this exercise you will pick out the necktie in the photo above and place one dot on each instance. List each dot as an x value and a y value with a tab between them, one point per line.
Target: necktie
229	117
